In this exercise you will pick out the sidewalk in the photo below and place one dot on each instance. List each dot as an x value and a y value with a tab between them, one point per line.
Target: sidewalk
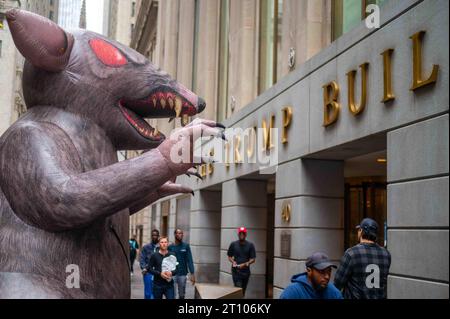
137	285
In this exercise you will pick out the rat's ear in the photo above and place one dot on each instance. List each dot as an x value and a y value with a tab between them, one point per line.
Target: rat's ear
41	41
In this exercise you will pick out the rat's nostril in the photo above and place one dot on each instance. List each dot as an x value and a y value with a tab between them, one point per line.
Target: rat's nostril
201	105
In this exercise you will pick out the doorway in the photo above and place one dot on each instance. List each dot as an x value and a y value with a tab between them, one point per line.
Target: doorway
365	195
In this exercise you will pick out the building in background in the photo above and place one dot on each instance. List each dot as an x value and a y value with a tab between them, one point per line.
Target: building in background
83	23
12	104
45	8
121	19
342	155
70	14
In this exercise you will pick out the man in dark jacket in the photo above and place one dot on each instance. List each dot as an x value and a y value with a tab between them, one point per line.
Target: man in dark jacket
162	279
241	254
314	283
144	259
364	268
184	257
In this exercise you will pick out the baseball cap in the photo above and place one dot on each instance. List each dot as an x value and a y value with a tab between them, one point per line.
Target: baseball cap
369	226
242	230
319	261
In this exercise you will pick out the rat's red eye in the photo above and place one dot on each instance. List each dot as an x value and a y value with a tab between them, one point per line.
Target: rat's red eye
108	54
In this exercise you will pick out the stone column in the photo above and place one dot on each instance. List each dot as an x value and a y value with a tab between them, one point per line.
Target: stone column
243	80
167	42
244	203
172	219
306	28
158	217
147	223
418	236
207	55
205	235
186	42
314	189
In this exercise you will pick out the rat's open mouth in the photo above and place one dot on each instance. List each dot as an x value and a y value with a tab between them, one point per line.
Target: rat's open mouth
141	126
159	104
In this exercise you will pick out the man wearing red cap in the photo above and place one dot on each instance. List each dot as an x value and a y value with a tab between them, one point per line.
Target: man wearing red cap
241	255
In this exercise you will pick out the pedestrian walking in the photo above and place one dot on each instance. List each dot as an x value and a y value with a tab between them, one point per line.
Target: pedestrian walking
315	282
364	268
241	254
162	266
183	253
147	251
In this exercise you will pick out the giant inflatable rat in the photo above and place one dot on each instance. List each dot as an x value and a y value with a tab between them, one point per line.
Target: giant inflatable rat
64	197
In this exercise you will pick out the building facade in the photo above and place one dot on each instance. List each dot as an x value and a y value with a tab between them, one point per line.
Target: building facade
70	14
360	129
45	8
12	104
119	19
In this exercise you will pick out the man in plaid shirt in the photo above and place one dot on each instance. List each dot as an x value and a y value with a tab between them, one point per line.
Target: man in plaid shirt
364	268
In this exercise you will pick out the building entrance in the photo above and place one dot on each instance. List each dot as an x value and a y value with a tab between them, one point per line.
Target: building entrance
365	195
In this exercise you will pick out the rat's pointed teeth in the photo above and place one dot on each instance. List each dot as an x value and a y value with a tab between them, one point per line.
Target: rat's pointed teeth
171	104
155	132
185	118
163	103
178	106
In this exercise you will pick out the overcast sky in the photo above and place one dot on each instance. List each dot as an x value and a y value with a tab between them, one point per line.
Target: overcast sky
94	15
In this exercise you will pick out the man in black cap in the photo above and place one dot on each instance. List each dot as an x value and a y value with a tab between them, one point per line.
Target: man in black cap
314	283
364	268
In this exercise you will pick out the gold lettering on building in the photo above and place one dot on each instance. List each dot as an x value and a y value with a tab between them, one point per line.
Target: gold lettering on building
388	95
287	118
418	80
210	166
202	169
237	149
331	104
286	212
353	107
267	135
251	141
227	155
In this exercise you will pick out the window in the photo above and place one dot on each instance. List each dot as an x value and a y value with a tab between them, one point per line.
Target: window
222	108
347	14
269	42
133	9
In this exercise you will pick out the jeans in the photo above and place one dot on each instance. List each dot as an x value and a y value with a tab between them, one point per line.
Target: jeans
148	286
240	279
168	291
180	282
